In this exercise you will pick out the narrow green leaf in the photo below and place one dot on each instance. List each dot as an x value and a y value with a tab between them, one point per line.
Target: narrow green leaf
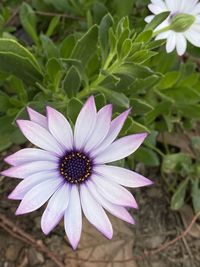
28	21
105	25
157	20
52	26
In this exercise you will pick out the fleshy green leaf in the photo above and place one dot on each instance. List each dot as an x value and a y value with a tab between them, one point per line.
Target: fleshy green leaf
86	46
72	82
178	198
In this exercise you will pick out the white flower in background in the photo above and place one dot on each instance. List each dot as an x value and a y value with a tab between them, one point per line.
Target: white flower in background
182	24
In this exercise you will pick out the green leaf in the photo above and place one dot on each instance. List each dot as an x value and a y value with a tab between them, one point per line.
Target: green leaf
119	99
28	21
49	48
178	198
52	26
121	8
72	82
147	157
73	108
196	194
67	46
86	47
140	107
138	128
144	36
176	162
157	20
12	46
98	11
105	25
5	142
134	70
20	67
170	79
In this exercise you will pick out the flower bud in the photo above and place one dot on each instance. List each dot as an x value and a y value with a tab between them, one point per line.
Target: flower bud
182	22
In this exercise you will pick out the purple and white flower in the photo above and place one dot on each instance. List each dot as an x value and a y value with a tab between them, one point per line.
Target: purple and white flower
70	171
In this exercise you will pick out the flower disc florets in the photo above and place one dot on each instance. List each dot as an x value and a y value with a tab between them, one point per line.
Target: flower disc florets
76	167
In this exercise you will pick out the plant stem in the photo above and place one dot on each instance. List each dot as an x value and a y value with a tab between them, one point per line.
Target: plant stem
165	29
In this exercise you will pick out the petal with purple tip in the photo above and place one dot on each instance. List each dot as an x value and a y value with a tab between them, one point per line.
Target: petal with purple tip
27	155
73	218
37	117
60	128
55	208
122	176
39	136
38	195
24	170
101	128
27	184
115	127
95	213
114	192
121	148
85	123
115	210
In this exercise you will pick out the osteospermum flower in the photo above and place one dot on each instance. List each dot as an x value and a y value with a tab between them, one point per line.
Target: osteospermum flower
182	24
70	169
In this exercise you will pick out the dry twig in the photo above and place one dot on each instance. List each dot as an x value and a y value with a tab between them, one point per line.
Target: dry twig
15	231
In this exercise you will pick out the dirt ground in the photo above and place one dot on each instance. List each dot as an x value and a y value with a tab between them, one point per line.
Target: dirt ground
156	224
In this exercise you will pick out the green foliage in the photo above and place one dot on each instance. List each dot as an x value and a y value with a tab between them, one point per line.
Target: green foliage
69	50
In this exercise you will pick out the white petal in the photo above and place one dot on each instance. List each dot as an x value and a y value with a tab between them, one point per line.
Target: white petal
172	5
121	148
37	117
115	210
160	3
73	218
95	213
27	155
115	128
196	10
155	9
85	123
149	18
122	176
113	192
27	184
193	37
60	128
55	208
181	44
38	195
39	136
24	170
171	42
163	35
101	128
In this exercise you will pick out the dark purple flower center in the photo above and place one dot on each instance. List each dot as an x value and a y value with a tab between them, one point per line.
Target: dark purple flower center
75	167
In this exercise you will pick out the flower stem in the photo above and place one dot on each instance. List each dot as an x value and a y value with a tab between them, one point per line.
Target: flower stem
165	29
